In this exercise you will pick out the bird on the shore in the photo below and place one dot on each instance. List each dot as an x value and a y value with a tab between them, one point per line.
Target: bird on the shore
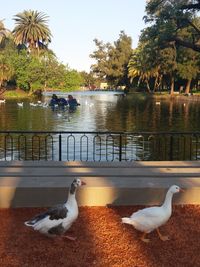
150	219
57	220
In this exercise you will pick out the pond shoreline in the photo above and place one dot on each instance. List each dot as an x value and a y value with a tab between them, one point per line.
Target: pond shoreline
194	97
19	93
104	111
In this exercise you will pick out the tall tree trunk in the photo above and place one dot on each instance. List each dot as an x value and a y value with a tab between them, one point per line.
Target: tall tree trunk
187	89
155	84
30	89
172	86
158	83
148	87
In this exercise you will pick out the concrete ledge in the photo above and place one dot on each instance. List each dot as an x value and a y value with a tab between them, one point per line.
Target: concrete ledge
42	184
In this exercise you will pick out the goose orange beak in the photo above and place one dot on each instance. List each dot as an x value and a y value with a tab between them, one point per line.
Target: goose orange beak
181	190
83	183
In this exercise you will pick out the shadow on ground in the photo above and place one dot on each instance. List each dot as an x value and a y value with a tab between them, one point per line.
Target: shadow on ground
102	240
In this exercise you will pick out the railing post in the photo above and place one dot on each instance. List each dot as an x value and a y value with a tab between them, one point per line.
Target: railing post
31	145
120	147
190	147
171	148
60	148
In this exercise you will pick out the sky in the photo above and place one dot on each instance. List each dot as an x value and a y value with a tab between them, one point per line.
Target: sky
75	24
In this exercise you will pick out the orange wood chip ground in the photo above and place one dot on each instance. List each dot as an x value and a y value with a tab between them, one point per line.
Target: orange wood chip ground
102	240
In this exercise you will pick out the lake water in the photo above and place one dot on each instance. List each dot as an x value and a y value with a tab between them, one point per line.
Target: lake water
104	111
101	112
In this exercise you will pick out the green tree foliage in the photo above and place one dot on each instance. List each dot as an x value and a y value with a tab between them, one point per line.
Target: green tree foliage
139	68
89	80
54	72
33	73
180	13
166	56
57	75
150	62
6	70
112	60
73	80
32	67
7	51
159	60
6	48
28	71
188	66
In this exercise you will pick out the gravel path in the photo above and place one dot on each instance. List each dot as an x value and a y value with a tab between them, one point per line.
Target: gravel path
102	240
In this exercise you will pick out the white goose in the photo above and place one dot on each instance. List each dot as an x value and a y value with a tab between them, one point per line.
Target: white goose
150	219
57	220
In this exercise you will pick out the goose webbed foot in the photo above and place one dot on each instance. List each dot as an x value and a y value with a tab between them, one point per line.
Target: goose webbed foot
146	240
162	237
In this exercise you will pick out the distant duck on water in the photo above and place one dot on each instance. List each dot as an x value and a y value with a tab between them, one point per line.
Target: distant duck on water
57	220
20	104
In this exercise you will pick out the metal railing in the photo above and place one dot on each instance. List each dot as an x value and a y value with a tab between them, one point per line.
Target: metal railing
98	146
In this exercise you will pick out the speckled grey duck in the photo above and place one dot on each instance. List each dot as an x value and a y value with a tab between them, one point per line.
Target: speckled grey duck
57	220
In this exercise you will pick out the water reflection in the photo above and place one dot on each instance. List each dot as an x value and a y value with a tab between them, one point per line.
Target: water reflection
137	113
104	112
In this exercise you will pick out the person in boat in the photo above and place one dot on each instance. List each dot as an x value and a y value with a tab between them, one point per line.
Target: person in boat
58	101
72	102
62	102
54	100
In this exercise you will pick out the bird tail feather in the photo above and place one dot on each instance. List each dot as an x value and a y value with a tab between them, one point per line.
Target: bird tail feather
126	220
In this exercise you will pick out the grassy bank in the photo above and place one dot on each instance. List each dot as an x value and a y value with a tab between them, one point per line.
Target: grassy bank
14	94
166	96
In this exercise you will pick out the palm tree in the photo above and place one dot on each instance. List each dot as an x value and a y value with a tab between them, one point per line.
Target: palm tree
32	30
137	67
4	33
